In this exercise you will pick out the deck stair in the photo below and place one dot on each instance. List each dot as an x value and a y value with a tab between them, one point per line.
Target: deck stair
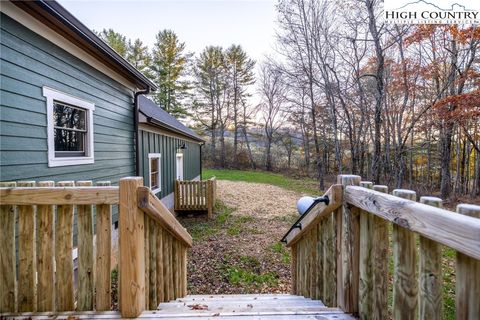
235	307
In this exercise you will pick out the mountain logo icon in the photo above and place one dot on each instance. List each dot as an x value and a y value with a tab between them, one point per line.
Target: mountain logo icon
422	5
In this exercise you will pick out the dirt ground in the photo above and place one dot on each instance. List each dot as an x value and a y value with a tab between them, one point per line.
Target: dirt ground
239	250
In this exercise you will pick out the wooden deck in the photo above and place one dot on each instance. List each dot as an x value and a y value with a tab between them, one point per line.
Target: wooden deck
256	306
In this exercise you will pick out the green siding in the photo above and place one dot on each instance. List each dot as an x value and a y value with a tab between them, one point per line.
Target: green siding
157	143
27	63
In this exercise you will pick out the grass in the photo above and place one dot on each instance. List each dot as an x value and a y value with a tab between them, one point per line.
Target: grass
305	185
280	249
247	272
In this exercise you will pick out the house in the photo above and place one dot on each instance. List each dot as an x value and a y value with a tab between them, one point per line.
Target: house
169	150
72	108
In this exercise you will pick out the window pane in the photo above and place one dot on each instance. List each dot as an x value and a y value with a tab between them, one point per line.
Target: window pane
66	140
154	164
154	180
68	117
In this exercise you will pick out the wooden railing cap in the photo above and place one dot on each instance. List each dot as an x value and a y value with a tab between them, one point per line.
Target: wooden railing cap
429	198
466	206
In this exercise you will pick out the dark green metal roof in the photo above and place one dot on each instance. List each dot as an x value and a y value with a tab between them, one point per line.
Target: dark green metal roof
159	117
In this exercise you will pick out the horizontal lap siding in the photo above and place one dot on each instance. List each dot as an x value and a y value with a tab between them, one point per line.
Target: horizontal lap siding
29	62
157	143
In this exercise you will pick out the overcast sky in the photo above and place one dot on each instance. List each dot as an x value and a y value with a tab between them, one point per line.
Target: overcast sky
198	23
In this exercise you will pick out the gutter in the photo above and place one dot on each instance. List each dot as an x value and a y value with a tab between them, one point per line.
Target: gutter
135	129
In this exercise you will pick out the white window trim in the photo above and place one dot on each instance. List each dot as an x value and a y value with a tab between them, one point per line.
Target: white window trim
179	155
54	95
159	156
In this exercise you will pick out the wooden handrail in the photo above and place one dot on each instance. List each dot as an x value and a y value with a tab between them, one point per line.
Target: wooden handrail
150	204
335	195
59	195
457	231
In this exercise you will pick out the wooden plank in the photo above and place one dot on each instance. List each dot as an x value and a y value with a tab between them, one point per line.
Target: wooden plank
313	263
158	212
405	289
319	291
430	273
329	294
456	231
8	281
59	196
64	288
160	281
321	210
146	234
308	271
27	267
131	244
365	294
347	292
45	254
380	258
293	268
173	258
185	270
166	266
153	301
467	288
85	254
103	293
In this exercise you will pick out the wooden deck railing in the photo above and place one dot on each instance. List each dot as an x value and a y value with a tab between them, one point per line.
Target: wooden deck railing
340	252
191	195
38	274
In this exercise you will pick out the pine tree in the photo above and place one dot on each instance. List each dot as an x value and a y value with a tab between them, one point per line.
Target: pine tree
139	56
240	77
169	68
115	40
210	85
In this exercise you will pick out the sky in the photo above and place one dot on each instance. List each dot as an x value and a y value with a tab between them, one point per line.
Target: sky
198	23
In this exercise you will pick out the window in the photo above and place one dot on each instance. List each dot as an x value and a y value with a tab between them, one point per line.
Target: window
154	171
70	129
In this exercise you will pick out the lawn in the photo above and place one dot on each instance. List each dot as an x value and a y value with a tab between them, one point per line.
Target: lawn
305	185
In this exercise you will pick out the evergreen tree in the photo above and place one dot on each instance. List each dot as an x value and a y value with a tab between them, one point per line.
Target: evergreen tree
139	56
169	68
209	105
240	77
117	41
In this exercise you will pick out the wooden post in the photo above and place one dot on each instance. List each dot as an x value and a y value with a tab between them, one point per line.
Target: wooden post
380	260
131	249
146	233
313	263
329	261
103	254
160	281
321	257
365	294
166	266
27	266
45	255
467	291
85	254
348	273
430	273
64	289
8	281
152	288
293	261
405	288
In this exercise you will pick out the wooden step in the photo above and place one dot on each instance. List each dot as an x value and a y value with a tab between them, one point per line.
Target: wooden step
233	307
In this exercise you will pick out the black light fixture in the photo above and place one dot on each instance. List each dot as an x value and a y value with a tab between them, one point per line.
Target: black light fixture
183	147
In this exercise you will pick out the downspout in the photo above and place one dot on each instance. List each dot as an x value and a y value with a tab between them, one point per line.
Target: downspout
136	130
